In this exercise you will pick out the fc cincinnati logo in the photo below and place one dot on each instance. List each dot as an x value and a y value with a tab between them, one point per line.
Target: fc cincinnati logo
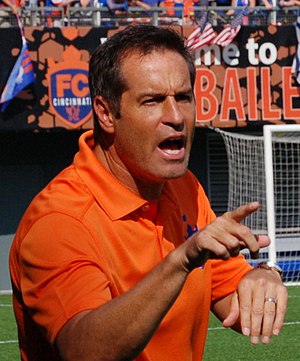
69	94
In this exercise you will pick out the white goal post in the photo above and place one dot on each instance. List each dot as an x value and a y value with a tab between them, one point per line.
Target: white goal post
266	168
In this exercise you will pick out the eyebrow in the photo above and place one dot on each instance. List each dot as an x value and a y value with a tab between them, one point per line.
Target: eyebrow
163	94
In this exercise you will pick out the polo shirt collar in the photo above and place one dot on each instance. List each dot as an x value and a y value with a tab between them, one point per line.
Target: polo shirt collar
113	197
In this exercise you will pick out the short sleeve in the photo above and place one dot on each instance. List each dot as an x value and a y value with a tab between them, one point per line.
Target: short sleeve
62	272
227	274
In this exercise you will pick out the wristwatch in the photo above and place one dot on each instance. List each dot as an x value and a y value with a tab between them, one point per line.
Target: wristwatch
272	266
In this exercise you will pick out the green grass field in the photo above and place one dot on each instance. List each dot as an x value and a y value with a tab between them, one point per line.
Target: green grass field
222	344
226	345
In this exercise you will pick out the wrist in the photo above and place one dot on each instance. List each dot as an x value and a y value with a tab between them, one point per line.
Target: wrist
271	266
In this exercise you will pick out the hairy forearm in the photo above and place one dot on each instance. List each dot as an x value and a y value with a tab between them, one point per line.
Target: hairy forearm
120	329
9	3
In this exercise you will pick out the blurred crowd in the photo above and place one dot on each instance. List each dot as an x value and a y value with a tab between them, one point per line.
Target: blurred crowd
183	9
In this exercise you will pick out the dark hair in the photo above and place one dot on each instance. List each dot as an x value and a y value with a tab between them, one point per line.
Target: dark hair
105	77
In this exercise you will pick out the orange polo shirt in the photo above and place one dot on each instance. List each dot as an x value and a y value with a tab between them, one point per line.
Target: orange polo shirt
86	239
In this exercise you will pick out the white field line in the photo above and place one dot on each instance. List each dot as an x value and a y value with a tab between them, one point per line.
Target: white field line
223	328
209	329
8	341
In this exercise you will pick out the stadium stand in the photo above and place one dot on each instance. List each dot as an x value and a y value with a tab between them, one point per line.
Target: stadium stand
103	13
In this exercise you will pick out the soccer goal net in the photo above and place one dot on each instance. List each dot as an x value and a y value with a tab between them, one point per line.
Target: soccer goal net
266	168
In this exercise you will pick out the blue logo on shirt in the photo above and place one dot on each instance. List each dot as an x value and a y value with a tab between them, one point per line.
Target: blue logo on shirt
189	229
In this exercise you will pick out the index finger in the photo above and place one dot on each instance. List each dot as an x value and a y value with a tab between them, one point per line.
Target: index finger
240	213
248	240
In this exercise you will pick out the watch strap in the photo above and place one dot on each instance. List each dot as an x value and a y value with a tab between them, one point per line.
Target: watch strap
271	266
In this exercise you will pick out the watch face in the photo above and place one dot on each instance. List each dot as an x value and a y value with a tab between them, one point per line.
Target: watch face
270	265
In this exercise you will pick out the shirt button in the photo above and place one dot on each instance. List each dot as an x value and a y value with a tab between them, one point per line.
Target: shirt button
145	208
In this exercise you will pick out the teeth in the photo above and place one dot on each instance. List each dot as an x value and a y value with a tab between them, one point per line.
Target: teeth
172	151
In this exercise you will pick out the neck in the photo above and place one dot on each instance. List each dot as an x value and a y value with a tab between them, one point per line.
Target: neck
110	160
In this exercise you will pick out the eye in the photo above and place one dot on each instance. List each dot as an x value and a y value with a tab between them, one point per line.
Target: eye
183	98
153	100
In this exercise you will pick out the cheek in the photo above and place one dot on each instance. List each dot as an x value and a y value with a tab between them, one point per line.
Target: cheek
133	144
135	130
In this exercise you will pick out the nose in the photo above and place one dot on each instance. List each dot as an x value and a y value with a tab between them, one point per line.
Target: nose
172	114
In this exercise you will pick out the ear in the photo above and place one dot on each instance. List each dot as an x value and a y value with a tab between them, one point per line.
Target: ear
104	114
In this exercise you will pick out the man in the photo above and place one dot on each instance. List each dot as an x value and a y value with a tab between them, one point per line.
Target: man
288	3
6	19
10	4
120	257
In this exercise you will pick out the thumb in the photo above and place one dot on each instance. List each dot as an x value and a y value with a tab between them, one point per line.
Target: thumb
242	212
234	312
263	241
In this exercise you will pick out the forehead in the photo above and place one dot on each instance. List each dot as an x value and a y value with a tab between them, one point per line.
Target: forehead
158	66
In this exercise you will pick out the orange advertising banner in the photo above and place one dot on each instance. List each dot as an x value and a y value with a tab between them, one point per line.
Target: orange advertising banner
250	81
247	83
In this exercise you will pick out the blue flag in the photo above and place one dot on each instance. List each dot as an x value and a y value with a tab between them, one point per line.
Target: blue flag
20	77
296	62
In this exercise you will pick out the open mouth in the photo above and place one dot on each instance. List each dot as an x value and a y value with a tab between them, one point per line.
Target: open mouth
172	146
